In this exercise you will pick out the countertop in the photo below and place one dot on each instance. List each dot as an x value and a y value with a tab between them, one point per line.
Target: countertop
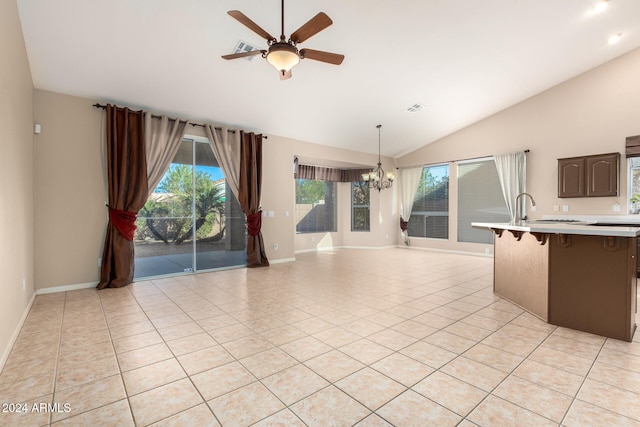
583	227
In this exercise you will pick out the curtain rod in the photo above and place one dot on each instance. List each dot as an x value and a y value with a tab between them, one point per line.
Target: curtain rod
104	107
457	160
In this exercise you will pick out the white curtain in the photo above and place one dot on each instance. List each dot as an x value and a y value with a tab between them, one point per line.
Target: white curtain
409	181
162	140
225	144
512	173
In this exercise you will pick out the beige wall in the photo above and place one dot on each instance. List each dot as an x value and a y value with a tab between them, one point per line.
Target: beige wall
16	176
70	190
589	114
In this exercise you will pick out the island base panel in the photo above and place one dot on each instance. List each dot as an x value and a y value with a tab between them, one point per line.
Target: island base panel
593	284
521	271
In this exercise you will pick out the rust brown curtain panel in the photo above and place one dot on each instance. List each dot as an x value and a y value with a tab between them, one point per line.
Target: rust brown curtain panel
249	196
127	179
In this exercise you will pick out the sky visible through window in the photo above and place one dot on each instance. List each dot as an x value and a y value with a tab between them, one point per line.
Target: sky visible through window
215	174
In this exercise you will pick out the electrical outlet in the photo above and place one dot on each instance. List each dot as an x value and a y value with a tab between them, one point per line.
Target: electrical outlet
565	208
275	246
616	207
556	208
99	262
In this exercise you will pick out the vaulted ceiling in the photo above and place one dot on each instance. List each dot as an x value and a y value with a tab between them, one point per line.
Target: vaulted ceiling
462	60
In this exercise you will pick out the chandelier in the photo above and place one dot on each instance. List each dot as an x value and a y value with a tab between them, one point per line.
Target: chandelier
377	178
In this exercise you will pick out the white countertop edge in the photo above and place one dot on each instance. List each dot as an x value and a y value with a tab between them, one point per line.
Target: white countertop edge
620	219
564	228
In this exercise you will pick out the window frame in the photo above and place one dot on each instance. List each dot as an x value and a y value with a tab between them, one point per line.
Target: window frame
334	206
633	164
500	217
366	206
436	213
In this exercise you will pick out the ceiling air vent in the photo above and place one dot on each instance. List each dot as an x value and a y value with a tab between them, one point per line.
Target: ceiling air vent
415	107
243	47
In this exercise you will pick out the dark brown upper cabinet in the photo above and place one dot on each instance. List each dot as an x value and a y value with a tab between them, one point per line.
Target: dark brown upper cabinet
589	176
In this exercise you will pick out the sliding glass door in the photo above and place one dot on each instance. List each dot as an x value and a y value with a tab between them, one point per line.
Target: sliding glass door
192	221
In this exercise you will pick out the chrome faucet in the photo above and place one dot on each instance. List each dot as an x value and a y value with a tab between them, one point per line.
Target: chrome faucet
520	219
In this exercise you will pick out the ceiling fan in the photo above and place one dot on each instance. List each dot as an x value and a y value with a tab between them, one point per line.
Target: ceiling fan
284	54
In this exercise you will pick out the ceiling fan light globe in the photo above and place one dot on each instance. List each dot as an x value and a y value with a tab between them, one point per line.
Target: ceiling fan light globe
283	57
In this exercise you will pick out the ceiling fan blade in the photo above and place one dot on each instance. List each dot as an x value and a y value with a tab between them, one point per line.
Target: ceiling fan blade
284	75
319	55
311	28
244	54
244	20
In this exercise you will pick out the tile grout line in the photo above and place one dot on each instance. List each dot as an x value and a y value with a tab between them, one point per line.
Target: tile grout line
115	353
174	357
55	373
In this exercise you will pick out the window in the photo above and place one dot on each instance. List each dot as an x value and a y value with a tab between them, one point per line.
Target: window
315	206
634	184
430	213
360	216
192	221
480	199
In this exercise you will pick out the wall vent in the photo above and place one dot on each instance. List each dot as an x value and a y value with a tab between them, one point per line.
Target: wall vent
243	47
415	107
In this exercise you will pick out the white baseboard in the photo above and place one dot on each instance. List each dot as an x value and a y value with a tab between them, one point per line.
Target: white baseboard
374	248
377	248
334	248
16	332
281	260
65	288
304	251
450	251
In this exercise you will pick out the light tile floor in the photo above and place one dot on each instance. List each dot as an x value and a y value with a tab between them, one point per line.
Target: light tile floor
352	337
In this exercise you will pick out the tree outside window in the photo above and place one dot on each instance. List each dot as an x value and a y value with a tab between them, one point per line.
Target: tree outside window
360	210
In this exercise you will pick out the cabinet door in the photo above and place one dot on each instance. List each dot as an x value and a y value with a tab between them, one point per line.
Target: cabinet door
603	175
571	177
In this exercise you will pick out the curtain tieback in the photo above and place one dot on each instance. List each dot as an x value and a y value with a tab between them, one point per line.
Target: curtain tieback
403	224
254	223
124	222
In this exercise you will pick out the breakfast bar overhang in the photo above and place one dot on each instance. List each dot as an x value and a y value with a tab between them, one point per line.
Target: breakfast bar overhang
578	276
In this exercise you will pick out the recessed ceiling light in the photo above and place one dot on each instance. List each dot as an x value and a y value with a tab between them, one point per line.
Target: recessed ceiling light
415	107
601	6
615	38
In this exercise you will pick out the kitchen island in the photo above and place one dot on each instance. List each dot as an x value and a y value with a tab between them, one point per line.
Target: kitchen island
577	275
